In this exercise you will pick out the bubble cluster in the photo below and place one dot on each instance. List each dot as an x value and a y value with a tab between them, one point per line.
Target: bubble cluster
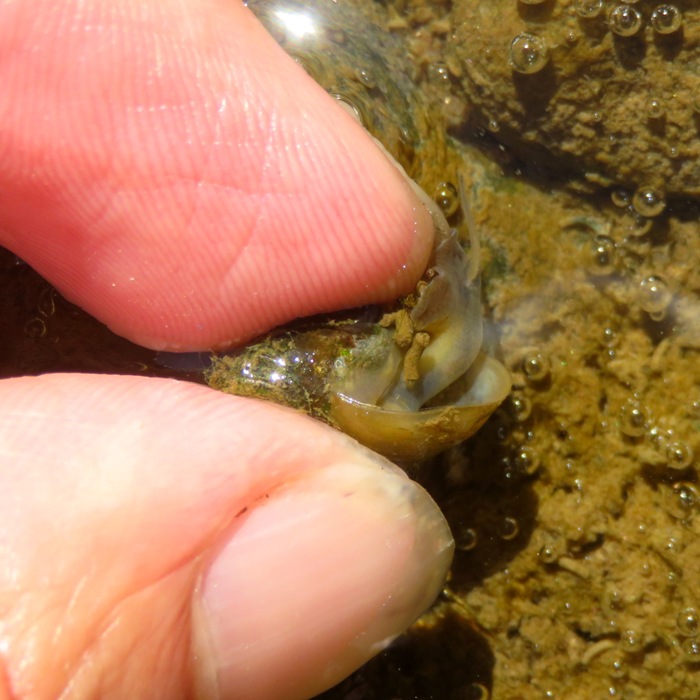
447	198
648	201
588	8
666	19
528	53
654	296
536	366
632	419
624	20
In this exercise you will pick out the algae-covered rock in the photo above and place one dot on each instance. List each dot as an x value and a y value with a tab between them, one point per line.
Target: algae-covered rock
604	89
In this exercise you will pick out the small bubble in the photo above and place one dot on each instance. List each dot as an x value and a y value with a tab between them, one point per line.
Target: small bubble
602	256
466	539
439	73
547	554
655	108
653	295
679	455
691	649
46	303
526	461
354	109
666	19
365	76
618	668
620	198
688	622
612	599
35	328
648	202
639	225
521	405
493	126
446	198
632	419
683	500
477	691
528	53
588	8
509	529
631	641
624	20
536	366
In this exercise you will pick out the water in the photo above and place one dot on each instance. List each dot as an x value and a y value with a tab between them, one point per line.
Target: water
566	267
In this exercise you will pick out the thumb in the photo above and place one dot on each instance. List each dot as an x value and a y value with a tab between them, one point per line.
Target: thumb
167	167
164	540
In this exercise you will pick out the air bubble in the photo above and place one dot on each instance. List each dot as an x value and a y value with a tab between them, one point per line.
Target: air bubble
631	641
655	108
679	455
528	53
522	406
602	260
620	198
666	19
624	20
446	198
509	529
366	78
439	74
688	622
35	328
478	691
547	554
654	296
691	649
354	110
682	500
632	419
536	366
588	8
466	539
648	202
638	226
618	668
526	461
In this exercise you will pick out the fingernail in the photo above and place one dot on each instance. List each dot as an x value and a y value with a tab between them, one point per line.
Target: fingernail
317	577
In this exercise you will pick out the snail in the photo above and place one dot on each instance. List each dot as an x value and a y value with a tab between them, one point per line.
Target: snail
407	384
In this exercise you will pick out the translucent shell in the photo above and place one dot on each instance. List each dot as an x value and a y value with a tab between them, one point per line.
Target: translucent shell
415	435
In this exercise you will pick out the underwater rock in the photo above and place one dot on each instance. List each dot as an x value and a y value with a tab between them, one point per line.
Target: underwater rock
604	89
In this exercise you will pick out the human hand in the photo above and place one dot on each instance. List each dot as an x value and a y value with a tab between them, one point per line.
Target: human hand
160	539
